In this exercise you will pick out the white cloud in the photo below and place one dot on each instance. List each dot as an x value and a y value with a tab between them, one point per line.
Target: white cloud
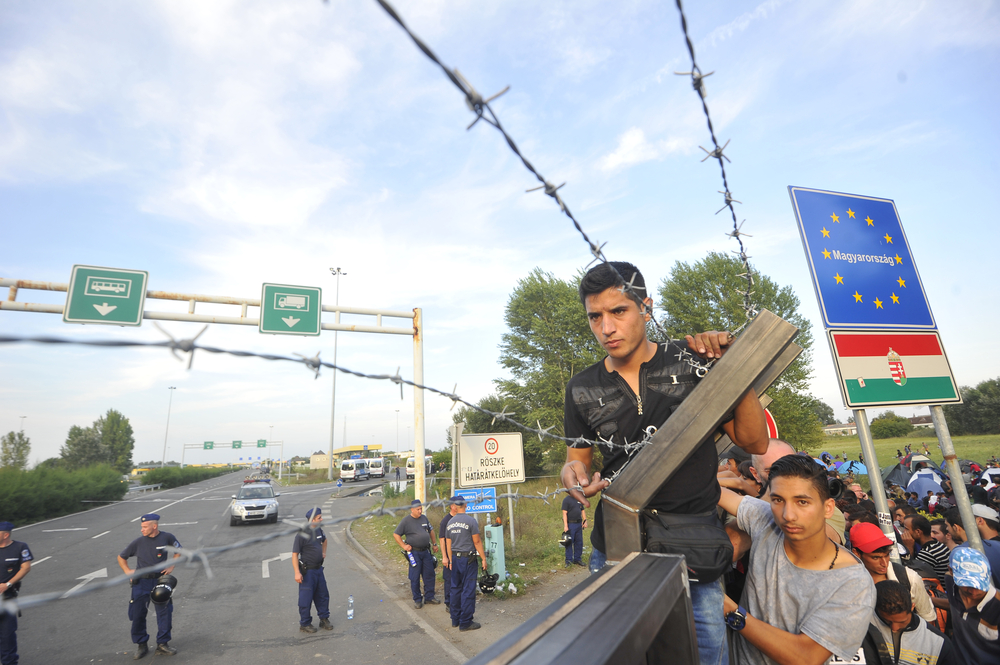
633	148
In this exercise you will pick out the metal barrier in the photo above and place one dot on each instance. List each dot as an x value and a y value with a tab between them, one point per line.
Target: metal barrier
144	488
634	613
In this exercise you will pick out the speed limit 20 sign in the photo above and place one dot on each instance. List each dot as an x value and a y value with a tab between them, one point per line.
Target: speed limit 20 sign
490	459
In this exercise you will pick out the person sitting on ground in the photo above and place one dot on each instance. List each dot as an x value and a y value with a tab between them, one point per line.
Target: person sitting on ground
897	635
805	597
988	522
914	501
975	607
872	546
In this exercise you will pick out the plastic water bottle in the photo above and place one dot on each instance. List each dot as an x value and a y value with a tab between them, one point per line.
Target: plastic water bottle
350	607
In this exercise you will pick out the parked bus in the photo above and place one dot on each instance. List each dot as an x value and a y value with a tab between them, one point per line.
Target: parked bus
354	469
376	467
428	466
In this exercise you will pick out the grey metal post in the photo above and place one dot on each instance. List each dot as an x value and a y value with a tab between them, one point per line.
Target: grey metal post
456	433
281	457
419	467
170	402
875	478
333	399
510	518
955	473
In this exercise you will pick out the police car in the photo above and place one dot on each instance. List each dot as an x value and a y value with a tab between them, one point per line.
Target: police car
256	502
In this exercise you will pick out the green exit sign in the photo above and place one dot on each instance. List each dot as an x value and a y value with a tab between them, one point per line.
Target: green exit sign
262	443
209	445
237	444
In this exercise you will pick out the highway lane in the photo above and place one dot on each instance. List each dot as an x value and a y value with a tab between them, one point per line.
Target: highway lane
239	615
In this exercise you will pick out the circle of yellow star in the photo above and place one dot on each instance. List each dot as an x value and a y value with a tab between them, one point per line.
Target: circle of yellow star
835	218
826	234
871	222
898	260
878	304
895	298
826	253
857	297
850	213
902	282
888	238
840	280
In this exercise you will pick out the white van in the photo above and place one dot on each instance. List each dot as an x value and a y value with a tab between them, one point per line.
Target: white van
354	469
428	466
376	467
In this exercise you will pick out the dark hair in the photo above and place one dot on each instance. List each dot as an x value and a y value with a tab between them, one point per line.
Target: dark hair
953	516
891	597
939	522
867	517
868	504
919	523
796	466
907	511
602	277
991	524
984	482
849	498
744	470
854	512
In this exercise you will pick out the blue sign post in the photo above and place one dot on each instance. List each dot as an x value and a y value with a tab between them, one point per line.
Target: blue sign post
482	500
860	261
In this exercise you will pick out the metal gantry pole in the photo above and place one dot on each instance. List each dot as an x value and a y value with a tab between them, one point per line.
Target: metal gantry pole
955	474
337	272
875	478
170	402
419	466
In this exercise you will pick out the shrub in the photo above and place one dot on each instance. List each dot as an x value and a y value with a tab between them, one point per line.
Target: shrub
47	492
173	476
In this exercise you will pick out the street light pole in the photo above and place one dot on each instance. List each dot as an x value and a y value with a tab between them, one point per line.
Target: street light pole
23	417
336	272
170	402
397	431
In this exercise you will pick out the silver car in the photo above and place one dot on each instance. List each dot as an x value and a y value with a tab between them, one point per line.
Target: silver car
256	502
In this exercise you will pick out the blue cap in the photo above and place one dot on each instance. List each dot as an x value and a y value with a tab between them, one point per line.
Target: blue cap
459	499
150	517
6	526
970	568
415	503
313	511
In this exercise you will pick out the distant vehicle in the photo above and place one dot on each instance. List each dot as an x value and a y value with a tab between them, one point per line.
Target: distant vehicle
292	301
256	502
354	469
428	466
376	467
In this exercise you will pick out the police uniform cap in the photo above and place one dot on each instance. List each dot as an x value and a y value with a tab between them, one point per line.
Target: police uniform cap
6	526
150	517
458	499
415	503
312	512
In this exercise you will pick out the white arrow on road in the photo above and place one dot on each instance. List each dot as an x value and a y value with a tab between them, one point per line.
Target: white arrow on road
105	309
290	320
284	556
103	572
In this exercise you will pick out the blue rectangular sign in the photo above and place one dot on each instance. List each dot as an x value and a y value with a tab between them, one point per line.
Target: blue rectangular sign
860	260
481	500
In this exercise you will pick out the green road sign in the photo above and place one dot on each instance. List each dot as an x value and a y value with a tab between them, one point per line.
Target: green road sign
209	445
105	295
237	444
262	443
290	310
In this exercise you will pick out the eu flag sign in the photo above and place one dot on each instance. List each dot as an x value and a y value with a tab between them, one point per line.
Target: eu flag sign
860	261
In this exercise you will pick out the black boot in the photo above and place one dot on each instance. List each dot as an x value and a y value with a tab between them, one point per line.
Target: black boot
325	624
141	650
165	650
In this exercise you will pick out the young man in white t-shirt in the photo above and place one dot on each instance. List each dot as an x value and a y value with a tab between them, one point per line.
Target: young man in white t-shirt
806	598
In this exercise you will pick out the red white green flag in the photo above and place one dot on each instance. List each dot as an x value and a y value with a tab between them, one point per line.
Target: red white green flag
890	368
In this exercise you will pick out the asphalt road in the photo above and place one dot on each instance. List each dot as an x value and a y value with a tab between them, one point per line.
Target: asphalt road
246	613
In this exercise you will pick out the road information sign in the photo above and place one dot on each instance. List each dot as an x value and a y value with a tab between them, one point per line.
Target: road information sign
483	500
860	261
290	310
878	368
105	295
489	459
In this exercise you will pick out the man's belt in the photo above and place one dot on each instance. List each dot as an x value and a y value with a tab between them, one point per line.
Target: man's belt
419	549
303	566
461	555
574	521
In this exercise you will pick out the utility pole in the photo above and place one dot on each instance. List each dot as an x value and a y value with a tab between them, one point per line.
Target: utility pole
397	426
170	402
336	272
397	431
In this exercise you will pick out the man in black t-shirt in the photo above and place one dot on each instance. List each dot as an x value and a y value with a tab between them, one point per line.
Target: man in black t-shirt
15	559
149	549
419	534
632	392
574	521
445	561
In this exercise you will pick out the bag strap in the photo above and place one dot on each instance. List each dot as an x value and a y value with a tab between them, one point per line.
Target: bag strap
901	576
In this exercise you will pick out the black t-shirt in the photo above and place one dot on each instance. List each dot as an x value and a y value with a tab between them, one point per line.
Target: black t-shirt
150	551
444	524
600	404
310	548
573	508
12	556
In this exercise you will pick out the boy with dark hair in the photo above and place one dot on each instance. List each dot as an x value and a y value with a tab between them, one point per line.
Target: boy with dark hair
632	391
931	551
806	598
897	636
872	546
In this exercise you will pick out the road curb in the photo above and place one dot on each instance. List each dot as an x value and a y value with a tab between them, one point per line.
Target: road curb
361	548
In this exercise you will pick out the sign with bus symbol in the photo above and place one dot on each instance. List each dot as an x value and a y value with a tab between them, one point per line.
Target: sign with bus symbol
108	288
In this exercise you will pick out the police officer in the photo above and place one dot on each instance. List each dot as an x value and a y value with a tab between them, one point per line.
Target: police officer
574	519
445	562
149	550
308	554
16	558
419	541
463	542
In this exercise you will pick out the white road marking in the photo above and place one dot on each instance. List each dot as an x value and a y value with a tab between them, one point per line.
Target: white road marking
265	573
35	563
79	528
100	534
103	572
177	523
175	503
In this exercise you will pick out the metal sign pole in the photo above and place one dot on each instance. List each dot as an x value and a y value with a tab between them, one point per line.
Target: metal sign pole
955	473
419	465
510	519
875	478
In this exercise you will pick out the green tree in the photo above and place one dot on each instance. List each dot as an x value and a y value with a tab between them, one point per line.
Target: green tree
824	412
888	425
705	296
979	412
83	448
14	450
117	439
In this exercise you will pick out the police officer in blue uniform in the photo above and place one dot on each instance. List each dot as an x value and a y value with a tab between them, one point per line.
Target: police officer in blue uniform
308	554
463	542
419	541
15	562
149	549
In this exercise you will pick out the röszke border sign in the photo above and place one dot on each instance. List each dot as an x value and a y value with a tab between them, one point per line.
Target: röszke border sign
490	459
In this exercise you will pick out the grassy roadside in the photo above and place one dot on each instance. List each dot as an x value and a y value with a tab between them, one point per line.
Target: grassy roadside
310	477
537	527
977	447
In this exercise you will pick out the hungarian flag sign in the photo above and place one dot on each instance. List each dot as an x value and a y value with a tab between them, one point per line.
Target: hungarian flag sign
892	368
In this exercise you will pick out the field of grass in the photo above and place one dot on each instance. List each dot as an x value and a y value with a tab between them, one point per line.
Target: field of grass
308	477
537	527
975	447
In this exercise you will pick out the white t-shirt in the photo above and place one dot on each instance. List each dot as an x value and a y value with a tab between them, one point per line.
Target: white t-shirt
832	607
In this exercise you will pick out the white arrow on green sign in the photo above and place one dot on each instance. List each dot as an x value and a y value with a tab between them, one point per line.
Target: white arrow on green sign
105	295
209	445
237	444
262	443
290	310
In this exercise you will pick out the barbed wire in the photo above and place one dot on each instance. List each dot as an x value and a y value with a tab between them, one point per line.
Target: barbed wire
698	83
200	556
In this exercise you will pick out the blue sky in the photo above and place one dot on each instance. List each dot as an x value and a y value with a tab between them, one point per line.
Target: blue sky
221	145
